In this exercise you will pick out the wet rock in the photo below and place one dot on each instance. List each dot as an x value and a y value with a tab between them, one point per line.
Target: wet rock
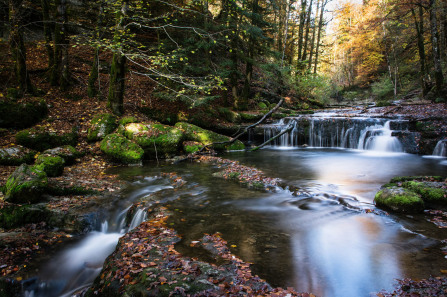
157	140
409	141
100	126
432	193
67	152
25	185
41	140
399	200
195	133
16	155
121	149
51	165
12	216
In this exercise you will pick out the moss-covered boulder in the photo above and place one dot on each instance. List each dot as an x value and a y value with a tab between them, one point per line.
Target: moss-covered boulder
157	140
51	165
101	125
121	149
66	152
12	215
399	200
16	155
25	185
191	146
40	140
22	115
195	133
432	193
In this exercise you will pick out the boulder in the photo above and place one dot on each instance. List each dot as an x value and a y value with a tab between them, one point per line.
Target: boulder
157	140
22	115
432	193
206	137
41	140
12	216
67	152
51	165
121	149
25	185
16	155
191	146
399	200
101	125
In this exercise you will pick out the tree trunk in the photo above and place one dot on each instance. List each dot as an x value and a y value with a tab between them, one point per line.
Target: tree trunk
48	32
312	42
419	24
92	90
301	32
17	47
118	67
306	36
320	28
234	56
60	71
439	77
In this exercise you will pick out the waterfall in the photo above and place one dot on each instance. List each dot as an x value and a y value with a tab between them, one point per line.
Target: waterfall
338	132
441	148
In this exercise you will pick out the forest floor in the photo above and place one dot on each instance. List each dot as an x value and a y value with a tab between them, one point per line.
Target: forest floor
19	247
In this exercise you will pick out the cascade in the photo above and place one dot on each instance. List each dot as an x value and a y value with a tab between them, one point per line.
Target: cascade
441	148
338	132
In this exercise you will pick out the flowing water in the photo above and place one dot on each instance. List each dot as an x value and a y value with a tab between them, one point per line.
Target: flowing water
319	239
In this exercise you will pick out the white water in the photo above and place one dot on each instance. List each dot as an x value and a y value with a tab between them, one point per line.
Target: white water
441	149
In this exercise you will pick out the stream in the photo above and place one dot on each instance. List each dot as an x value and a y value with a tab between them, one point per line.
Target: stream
321	239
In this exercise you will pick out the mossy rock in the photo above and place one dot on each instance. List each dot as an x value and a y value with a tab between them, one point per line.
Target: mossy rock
195	133
13	216
26	185
18	115
191	147
41	140
51	165
229	115
157	140
398	179
251	117
431	192
262	106
127	120
101	125
162	116
16	155
121	149
66	152
399	200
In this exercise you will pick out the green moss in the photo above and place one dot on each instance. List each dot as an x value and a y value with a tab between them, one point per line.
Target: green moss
127	120
157	140
229	115
18	115
251	117
399	200
262	106
121	149
51	165
16	155
41	140
429	193
101	125
234	175
67	152
13	216
195	133
26	185
192	146
399	179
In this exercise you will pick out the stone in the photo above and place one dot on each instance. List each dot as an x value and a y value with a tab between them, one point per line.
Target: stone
25	185
67	152
100	126
206	137
400	200
16	155
157	140
22	115
121	149
52	165
41	140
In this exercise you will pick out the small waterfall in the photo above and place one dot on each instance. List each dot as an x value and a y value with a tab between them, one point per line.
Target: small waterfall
337	132
441	148
139	217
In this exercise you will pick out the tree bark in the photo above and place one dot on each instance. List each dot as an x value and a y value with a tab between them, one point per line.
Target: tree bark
312	42
60	71
419	24
17	47
92	90
301	31
118	67
439	77
306	36
48	32
320	29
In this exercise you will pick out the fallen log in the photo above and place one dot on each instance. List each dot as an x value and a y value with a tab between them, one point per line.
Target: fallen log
287	130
